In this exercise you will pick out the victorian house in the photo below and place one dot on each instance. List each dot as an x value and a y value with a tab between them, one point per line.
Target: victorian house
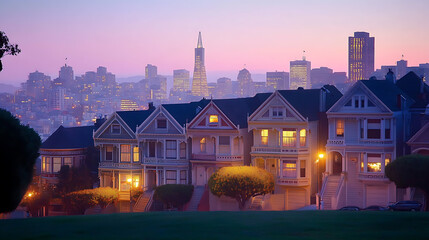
289	131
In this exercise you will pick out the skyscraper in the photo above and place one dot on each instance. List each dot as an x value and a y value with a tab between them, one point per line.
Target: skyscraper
244	78
300	71
401	68
199	81
277	80
361	56
151	71
181	80
320	76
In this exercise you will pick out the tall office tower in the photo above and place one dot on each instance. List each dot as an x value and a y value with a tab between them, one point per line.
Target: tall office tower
38	85
277	80
300	74
244	78
66	77
401	68
181	80
361	56
199	81
158	88
224	88
320	76
151	71
56	98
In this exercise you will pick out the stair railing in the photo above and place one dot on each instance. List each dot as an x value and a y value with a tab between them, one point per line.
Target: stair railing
336	198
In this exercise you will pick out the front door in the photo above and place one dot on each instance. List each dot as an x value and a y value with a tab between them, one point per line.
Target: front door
272	166
201	172
151	179
337	162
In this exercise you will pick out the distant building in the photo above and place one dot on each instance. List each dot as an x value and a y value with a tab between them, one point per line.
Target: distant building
158	88
56	98
401	68
300	74
277	80
320	76
199	81
244	78
66	76
38	85
151	71
181	80
361	56
224	88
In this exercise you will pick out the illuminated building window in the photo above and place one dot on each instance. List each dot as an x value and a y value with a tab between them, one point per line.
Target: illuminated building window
289	168
125	153
116	129
264	136
289	137
340	127
203	145
213	119
56	164
135	154
48	168
303	137
387	159
302	168
374	163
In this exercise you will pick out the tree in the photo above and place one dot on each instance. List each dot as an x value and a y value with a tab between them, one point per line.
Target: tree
19	149
410	171
73	179
7	48
241	183
174	195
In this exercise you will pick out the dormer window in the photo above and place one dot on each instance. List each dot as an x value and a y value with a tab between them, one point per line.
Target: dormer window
115	129
161	123
277	112
213	119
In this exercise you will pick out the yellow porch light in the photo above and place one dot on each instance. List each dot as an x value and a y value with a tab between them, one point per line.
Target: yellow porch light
321	155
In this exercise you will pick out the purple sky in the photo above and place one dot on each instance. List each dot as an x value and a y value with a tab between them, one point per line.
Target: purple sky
124	36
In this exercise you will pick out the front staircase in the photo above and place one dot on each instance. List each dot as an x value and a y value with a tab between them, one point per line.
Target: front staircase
329	191
144	202
196	198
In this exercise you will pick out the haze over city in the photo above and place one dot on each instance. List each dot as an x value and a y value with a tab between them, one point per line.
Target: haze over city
263	37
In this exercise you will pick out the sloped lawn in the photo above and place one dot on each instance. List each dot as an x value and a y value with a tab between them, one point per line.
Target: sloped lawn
224	225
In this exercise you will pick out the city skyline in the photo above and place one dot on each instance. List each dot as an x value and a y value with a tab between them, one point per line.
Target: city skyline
140	37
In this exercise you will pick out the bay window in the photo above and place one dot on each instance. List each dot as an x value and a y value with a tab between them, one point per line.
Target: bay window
302	168
48	165
125	153
374	162
264	136
135	154
56	164
109	153
171	149
289	168
374	129
68	161
387	129
224	144
183	177
203	145
340	127
171	177
289	137
303	137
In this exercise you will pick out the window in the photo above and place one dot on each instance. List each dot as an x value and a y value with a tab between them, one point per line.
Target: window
152	149
109	153
387	159
48	165
171	149
182	150
161	123
359	101
171	177
289	168
387	128
68	161
340	127
183	177
224	144
264	136
135	154
56	164
203	145
303	138
277	112
136	180
289	137
213	119
361	130
116	129
302	168
374	129
374	162
125	153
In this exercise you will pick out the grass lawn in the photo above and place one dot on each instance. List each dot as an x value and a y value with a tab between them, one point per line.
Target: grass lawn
224	225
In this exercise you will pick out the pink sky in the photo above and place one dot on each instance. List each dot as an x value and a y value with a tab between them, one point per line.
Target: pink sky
263	35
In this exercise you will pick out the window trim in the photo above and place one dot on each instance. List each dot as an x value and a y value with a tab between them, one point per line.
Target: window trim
157	125
111	128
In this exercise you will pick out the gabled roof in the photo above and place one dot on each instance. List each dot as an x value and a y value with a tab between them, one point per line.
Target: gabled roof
134	118
70	138
185	112
307	101
414	87
387	92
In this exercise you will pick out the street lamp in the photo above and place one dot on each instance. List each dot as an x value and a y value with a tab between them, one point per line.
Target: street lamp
321	156
130	181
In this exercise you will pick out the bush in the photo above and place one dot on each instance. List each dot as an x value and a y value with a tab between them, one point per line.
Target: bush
77	202
136	193
174	195
241	183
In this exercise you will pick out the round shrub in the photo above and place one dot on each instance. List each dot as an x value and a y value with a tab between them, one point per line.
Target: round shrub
174	195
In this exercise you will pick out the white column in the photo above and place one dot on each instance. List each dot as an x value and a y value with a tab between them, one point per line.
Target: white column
382	129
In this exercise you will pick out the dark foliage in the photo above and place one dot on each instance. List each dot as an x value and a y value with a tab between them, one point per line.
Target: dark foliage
19	149
410	171
73	179
174	195
7	48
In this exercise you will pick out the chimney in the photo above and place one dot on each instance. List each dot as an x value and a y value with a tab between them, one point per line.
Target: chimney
390	76
150	105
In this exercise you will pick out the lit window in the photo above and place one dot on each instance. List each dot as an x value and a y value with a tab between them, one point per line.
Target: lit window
213	119
125	153
43	164
48	165
56	164
116	129
302	168
374	163
387	159
203	145
161	123
289	168
303	137
264	136
289	137
340	128
68	161
136	181
135	154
